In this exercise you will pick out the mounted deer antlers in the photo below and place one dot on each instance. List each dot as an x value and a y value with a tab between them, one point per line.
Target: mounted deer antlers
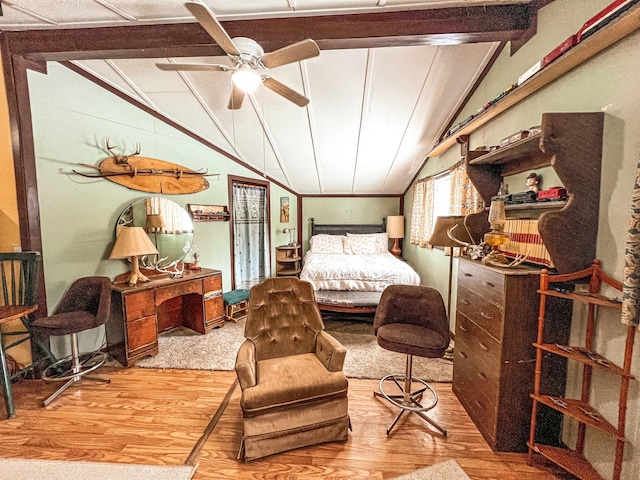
122	159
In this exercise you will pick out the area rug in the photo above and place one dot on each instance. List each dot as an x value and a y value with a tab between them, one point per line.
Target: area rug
20	469
183	349
449	470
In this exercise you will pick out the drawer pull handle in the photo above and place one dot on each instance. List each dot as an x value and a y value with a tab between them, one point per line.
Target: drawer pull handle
464	329
479	404
488	284
467	274
464	302
485	315
483	346
482	375
462	354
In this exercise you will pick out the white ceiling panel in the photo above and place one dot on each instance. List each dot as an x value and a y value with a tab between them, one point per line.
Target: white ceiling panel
373	113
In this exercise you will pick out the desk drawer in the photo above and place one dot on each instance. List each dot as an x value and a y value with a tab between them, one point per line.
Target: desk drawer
138	305
484	313
213	285
482	281
141	333
178	290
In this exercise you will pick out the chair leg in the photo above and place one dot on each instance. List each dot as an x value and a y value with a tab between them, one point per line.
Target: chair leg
409	400
77	370
6	383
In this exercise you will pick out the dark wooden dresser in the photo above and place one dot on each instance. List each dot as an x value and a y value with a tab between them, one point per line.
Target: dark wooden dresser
494	360
140	312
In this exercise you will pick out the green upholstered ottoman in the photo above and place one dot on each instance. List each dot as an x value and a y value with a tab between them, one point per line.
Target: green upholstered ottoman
236	304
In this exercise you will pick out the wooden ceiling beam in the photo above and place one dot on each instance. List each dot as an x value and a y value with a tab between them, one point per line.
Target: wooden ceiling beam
414	27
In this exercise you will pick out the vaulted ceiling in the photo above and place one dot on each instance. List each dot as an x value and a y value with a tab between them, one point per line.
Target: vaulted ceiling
388	81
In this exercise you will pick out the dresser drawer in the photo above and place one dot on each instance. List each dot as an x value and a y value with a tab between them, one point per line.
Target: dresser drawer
476	390
482	281
484	378
478	309
481	345
178	290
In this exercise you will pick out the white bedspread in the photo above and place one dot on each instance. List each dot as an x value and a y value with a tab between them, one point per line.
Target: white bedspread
367	273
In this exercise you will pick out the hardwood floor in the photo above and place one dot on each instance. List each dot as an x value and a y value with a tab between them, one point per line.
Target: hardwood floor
157	416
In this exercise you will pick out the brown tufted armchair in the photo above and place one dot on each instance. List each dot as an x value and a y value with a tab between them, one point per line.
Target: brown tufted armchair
294	393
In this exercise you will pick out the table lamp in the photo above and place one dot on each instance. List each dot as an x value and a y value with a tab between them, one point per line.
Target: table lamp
154	223
395	230
132	242
439	238
497	219
290	231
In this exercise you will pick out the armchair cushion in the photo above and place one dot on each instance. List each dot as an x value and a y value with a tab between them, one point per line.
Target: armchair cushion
289	381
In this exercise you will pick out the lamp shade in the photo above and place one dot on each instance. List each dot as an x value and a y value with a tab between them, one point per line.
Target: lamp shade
439	237
131	242
395	226
154	222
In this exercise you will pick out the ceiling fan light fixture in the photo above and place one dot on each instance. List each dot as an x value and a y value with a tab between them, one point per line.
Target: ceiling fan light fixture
246	79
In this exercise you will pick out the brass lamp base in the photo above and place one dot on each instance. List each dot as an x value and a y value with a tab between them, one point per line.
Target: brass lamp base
395	249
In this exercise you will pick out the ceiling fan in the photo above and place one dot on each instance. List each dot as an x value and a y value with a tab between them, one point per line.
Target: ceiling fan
250	63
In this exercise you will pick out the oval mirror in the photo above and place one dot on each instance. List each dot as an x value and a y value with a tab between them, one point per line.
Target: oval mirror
168	225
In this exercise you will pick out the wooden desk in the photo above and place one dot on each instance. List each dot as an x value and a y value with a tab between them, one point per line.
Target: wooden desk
9	313
140	312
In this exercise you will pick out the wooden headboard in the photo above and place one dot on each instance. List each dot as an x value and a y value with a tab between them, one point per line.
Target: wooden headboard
343	228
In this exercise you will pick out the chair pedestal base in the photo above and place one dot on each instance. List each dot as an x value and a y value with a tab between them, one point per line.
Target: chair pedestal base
407	399
73	368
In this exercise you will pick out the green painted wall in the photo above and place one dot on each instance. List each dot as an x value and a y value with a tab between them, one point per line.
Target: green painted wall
72	117
608	83
345	210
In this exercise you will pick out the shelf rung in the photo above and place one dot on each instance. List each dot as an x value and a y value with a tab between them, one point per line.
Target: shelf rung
581	411
571	461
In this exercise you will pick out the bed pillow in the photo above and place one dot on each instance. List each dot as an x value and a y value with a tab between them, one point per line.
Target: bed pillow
366	244
327	243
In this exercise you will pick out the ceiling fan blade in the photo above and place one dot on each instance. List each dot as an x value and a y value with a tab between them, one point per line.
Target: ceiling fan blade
208	20
293	53
193	66
286	92
237	95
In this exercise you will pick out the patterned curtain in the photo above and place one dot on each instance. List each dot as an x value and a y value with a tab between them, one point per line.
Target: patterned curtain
631	282
422	212
464	198
252	263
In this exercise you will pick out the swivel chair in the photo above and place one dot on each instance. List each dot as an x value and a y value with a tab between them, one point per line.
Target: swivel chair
411	320
85	306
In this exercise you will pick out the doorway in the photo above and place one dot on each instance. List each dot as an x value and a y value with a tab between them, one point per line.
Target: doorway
250	242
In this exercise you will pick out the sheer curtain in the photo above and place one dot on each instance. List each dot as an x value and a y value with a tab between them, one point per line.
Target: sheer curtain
252	262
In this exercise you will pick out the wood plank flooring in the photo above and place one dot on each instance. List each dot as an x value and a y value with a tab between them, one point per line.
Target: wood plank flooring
157	416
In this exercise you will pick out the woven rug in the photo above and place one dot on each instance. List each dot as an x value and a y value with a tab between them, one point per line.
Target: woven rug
449	470
183	349
20	469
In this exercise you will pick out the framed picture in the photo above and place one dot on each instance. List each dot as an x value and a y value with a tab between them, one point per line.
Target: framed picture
284	209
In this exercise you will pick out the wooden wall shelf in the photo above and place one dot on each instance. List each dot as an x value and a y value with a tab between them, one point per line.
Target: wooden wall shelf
571	144
618	29
209	213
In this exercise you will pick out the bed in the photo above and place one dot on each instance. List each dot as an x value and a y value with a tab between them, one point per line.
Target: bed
349	265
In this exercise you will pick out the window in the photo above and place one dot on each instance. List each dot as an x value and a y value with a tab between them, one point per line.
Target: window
448	193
